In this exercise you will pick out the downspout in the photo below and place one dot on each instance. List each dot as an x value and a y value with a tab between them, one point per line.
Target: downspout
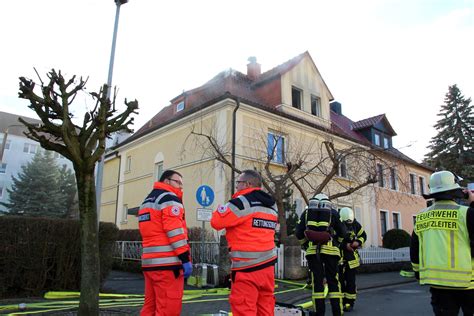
234	119
118	186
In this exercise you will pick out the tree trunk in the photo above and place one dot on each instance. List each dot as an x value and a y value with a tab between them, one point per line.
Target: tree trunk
90	261
282	221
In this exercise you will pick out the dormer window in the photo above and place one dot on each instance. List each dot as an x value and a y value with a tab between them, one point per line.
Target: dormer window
296	97
377	139
180	106
386	143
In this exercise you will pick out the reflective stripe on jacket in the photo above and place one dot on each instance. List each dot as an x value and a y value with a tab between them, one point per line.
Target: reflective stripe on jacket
444	246
323	219
162	224
250	219
356	233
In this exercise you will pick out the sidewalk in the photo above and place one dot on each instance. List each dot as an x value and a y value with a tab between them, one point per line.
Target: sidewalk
132	283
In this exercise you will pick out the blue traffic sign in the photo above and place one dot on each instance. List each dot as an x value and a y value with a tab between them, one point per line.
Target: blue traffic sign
205	195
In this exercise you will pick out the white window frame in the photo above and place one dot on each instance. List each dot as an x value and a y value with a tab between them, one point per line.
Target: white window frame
124	218
343	166
387	222
301	105
393	180
158	170
274	157
7	144
317	108
180	106
380	176
358	215
399	220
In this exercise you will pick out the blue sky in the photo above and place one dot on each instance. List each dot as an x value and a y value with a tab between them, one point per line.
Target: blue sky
376	56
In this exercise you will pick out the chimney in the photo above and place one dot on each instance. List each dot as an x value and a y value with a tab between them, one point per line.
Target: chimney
336	107
253	68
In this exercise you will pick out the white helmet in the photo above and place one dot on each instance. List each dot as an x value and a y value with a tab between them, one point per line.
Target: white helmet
346	214
443	181
320	200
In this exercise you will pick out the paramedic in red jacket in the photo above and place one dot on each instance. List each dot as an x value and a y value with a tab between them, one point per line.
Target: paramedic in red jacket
249	219
165	246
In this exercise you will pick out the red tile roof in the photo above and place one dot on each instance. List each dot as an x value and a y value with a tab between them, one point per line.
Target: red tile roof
368	122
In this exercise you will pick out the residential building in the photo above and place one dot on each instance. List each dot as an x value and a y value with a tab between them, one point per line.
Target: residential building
18	151
268	121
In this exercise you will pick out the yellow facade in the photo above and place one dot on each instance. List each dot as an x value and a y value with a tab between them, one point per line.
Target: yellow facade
131	170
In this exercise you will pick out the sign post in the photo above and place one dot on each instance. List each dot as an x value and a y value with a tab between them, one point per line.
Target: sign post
205	197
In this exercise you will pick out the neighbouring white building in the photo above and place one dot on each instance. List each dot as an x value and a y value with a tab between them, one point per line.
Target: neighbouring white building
18	151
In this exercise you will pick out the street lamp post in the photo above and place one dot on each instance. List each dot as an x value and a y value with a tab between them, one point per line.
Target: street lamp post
5	136
100	166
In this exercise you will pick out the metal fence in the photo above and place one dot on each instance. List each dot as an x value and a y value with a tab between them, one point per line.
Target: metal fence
376	255
132	250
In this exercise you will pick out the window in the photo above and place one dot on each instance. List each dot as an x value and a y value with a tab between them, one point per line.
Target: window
396	220
358	214
377	139
3	167
124	213
1	191
386	143
30	148
180	106
422	185
296	96
128	166
383	222
342	172
158	170
414	220
412	183
276	148
380	175
7	144
393	179
315	105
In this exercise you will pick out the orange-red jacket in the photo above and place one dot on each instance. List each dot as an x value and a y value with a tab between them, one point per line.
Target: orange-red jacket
250	219
162	225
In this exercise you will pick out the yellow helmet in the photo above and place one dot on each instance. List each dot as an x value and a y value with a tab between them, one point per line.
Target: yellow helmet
346	214
443	181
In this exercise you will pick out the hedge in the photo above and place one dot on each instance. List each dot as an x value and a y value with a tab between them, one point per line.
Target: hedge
43	254
396	238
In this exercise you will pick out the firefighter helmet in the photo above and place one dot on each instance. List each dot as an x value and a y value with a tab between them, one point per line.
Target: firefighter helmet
320	200
443	181
346	214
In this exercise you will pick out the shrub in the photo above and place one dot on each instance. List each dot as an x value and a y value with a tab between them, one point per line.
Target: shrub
41	254
129	235
396	238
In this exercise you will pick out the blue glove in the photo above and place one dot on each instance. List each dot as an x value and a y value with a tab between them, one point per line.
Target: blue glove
188	269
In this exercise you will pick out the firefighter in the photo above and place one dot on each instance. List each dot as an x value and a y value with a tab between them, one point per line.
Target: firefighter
318	231
165	246
442	243
250	219
350	257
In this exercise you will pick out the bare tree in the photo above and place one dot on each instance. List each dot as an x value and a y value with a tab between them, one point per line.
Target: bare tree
334	166
83	145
